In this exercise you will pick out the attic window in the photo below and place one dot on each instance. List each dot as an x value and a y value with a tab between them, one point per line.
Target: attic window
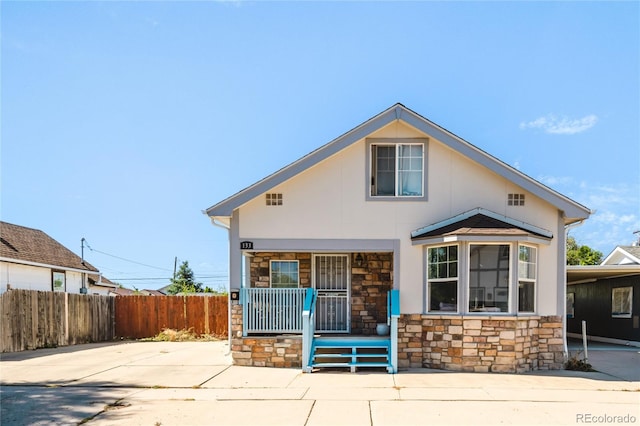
274	199
515	200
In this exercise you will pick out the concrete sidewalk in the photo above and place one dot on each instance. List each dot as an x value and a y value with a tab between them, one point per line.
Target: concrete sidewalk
193	383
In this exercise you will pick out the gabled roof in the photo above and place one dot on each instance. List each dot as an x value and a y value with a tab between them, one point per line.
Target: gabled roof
101	281
623	255
33	247
475	223
573	211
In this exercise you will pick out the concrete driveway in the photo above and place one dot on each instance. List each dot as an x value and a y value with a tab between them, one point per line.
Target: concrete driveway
193	383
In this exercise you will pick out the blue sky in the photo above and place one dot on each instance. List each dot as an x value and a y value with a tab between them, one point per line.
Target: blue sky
122	121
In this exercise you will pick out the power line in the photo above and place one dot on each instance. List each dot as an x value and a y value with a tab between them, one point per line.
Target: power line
219	277
122	258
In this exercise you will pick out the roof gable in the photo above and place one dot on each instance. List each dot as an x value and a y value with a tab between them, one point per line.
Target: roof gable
34	246
573	211
623	255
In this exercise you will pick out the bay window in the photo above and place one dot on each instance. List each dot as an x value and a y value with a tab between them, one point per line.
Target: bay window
470	277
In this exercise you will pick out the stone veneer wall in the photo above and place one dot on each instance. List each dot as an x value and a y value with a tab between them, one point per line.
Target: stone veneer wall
262	351
482	344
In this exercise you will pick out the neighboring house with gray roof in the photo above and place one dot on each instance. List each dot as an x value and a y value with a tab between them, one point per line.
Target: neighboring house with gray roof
607	297
32	260
398	222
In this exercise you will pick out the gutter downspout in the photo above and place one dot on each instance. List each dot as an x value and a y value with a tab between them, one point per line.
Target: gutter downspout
565	345
228	229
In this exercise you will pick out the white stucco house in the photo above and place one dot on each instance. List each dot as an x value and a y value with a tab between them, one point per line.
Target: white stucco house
398	222
32	260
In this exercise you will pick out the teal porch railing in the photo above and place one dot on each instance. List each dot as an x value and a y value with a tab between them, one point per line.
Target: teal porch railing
393	314
272	310
308	329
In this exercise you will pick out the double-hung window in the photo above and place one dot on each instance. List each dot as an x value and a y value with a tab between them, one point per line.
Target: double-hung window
442	278
526	278
284	274
397	169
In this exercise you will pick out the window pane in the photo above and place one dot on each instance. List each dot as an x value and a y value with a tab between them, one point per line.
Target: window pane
527	263
440	265
621	302
443	296
489	278
284	274
453	252
58	281
385	170
453	269
410	170
526	294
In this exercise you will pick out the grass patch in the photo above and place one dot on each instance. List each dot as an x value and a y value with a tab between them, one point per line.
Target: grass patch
574	363
171	335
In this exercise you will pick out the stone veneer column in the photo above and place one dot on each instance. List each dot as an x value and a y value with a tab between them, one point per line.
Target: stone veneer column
262	351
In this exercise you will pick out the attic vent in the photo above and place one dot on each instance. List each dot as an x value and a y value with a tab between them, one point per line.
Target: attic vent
274	199
515	200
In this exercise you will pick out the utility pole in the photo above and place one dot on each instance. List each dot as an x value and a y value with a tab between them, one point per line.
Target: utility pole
175	264
82	250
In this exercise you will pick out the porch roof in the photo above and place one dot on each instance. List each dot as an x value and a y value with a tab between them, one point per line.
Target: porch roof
476	224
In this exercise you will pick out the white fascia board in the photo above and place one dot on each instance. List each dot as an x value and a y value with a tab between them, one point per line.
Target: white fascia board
488	213
227	206
571	209
45	265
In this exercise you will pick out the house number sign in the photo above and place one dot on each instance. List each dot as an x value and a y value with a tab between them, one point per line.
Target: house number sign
246	245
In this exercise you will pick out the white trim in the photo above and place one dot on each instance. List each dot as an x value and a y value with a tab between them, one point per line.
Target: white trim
450	239
621	251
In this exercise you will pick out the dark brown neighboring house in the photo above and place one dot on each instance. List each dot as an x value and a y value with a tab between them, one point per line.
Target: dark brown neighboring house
30	259
606	297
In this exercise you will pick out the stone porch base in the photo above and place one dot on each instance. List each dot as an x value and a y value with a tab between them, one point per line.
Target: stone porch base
454	342
480	343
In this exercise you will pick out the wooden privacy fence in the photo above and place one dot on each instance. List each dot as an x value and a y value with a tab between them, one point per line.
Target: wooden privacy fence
146	316
42	319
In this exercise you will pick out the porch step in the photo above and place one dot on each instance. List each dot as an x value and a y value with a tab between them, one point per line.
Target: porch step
351	352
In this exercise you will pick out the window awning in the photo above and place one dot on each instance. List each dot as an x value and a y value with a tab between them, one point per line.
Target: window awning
480	225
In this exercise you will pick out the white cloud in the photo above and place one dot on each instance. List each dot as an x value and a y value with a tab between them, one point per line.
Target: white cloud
615	216
561	125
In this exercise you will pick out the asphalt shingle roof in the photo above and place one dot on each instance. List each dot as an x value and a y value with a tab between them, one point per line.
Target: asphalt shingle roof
478	224
32	245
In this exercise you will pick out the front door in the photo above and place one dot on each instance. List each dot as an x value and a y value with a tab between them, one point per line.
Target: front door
331	278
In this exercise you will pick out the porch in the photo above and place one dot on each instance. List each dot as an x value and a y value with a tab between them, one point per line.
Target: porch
278	327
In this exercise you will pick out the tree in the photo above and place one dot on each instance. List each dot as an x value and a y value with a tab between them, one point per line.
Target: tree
581	255
184	281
